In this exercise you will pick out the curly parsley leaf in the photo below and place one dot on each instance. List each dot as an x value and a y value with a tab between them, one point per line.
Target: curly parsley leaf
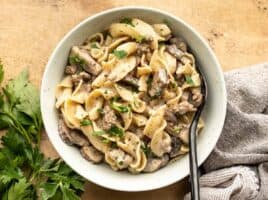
26	172
120	54
85	122
21	190
189	80
119	107
116	131
127	21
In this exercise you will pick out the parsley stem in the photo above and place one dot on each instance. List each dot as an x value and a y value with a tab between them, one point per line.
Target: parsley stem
18	126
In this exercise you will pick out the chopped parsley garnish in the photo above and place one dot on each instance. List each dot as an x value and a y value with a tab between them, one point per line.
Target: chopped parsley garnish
94	46
106	141
127	21
98	133
146	150
120	162
140	39
120	54
120	108
160	44
75	60
85	122
116	131
25	172
149	81
173	85
189	80
177	129
113	144
100	111
165	21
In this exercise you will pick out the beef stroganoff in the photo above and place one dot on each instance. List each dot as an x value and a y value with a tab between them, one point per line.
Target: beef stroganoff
128	96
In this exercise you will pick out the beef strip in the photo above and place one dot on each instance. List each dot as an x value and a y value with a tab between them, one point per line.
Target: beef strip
91	154
89	64
154	164
71	137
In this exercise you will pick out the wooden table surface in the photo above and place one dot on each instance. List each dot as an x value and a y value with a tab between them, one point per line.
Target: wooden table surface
30	29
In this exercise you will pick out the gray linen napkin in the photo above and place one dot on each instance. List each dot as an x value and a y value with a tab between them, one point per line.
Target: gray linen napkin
237	169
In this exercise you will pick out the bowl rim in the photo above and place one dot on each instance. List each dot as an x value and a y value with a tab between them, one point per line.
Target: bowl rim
147	9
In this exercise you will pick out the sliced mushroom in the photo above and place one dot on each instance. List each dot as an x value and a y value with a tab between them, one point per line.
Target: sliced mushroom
154	164
71	137
160	80
70	69
173	50
175	147
179	42
90	65
91	154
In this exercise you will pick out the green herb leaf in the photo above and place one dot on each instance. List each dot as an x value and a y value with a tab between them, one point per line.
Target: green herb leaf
189	80
119	107
20	190
69	194
177	129
116	131
120	54
48	190
127	21
85	122
149	81
94	46
165	21
140	39
100	110
75	60
26	173
147	150
98	133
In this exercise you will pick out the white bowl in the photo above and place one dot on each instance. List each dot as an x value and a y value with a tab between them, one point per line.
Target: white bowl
214	113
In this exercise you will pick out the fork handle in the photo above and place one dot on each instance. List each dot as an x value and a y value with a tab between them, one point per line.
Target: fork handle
194	176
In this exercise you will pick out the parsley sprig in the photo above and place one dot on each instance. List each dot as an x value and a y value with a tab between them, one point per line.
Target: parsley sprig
26	173
120	54
189	80
127	21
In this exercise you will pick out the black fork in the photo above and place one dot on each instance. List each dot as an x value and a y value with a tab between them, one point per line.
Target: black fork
194	175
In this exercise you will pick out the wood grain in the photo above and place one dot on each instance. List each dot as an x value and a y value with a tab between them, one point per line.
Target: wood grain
30	29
